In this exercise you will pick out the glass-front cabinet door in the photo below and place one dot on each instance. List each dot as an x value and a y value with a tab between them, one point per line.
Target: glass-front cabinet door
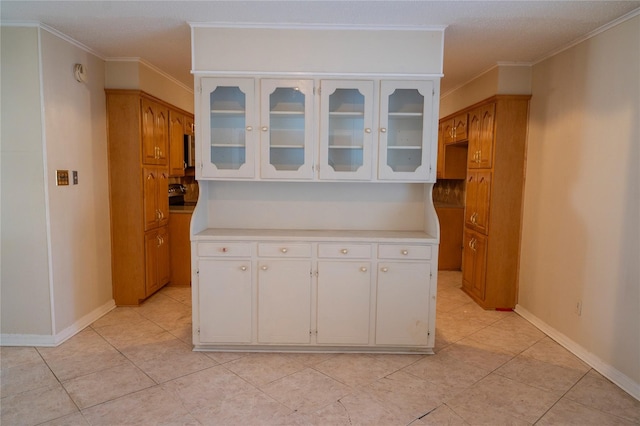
346	123
405	129
228	134
286	129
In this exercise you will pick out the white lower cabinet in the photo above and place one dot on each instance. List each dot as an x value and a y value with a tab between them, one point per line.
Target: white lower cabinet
314	295
343	302
284	301
225	294
402	317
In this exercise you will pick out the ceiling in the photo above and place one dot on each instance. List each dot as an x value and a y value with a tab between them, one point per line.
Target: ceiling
479	34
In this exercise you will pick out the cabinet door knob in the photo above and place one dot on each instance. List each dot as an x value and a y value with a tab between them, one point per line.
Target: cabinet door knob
367	130
243	268
363	269
405	252
344	251
264	267
383	130
224	249
284	250
384	269
265	128
249	128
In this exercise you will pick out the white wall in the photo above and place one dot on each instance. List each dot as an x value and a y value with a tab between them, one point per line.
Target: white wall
25	255
56	259
581	226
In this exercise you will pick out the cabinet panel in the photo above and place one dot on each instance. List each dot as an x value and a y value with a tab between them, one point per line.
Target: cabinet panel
155	198
229	127
404	252
481	134
406	120
284	301
155	127
225	301
344	251
402	316
180	249
478	200
156	259
474	266
343	302
286	249
224	249
346	129
286	129
177	125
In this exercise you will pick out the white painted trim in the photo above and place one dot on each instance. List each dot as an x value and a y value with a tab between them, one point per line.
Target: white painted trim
625	382
289	26
70	40
153	67
311	74
592	34
64	335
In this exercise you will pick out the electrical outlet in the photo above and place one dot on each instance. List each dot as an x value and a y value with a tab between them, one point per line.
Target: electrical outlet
578	310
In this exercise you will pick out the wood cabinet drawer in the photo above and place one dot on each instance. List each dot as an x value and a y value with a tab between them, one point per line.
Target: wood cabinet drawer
406	252
346	251
224	249
284	250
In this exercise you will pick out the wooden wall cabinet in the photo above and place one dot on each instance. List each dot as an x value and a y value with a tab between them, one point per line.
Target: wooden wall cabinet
138	140
455	129
497	143
180	249
177	130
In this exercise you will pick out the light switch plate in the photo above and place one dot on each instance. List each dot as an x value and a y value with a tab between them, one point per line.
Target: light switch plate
62	177
75	177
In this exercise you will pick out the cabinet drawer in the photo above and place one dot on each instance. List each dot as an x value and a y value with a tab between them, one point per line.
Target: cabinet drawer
224	249
284	250
408	252
346	251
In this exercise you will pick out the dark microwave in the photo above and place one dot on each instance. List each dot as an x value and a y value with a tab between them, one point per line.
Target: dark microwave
189	151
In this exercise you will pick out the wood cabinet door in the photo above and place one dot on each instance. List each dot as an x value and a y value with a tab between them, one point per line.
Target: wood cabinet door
164	257
224	301
162	196
150	198
151	244
485	158
402	314
343	302
441	152
478	200
149	148
460	127
284	301
177	125
448	131
161	134
474	267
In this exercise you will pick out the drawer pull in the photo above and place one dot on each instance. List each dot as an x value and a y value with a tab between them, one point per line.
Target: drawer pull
224	249
405	252
284	250
264	267
385	269
243	268
344	251
363	269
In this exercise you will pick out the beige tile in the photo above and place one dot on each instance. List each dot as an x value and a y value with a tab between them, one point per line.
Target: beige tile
443	415
168	313
183	332
263	368
444	370
167	359
397	361
248	408
478	354
365	409
36	406
355	369
308	359
403	393
224	357
595	391
498	400
12	356
452	328
566	412
334	414
118	316
75	419
447	302
540	374
151	406
306	391
206	388
512	333
180	294
25	377
552	353
473	312
106	385
121	335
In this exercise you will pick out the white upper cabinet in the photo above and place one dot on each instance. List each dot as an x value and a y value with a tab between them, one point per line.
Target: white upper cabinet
228	128
406	130
346	130
286	129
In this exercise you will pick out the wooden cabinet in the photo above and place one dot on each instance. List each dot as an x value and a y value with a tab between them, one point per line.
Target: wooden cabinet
455	129
452	158
177	130
451	227
497	141
481	136
314	295
138	138
180	248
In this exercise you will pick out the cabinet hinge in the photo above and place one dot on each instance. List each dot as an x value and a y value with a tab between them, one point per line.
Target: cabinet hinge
198	331
197	271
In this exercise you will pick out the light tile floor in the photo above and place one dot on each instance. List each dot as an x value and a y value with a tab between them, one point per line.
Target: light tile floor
135	366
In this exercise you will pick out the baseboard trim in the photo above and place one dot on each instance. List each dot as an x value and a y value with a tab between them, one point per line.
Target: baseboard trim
64	335
622	380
